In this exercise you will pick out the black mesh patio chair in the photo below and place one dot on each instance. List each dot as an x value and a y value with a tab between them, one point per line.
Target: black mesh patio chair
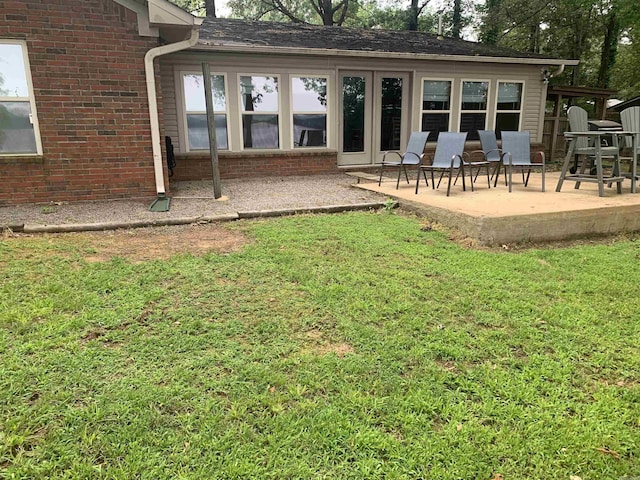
412	156
490	150
448	158
516	155
171	156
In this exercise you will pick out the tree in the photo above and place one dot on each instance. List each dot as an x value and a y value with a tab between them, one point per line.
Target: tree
415	9
325	12
198	7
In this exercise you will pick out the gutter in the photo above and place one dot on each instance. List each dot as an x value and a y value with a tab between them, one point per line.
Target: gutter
149	57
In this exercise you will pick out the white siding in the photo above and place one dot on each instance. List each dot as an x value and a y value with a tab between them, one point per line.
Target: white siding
234	63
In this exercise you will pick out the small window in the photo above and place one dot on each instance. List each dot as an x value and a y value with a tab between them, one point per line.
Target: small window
436	107
18	125
473	108
309	111
260	111
196	111
509	107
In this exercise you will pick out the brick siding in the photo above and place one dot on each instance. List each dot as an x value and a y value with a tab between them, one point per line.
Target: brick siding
87	66
238	165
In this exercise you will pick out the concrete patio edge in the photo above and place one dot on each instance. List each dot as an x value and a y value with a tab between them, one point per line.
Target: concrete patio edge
102	226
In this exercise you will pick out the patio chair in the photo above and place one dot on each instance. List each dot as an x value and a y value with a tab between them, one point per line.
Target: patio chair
448	158
412	156
630	119
516	154
579	122
171	156
490	150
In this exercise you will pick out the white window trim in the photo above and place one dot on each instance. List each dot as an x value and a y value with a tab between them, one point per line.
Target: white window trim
292	111
451	100
182	106
31	99
495	105
486	111
279	113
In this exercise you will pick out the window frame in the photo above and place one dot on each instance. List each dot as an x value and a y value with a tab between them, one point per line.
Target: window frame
451	99
486	110
31	99
185	126
293	112
242	113
519	112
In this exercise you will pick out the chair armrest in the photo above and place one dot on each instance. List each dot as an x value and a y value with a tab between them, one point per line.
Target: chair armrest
384	157
412	154
475	152
542	156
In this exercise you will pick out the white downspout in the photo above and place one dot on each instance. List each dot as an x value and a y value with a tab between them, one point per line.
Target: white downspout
153	101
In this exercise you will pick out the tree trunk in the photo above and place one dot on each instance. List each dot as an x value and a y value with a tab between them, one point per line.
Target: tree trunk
210	8
534	38
609	50
412	21
457	19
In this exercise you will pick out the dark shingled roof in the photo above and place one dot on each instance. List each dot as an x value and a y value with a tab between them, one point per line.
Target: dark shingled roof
227	31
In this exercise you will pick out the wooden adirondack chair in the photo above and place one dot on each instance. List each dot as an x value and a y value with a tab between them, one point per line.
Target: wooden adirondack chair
579	122
630	119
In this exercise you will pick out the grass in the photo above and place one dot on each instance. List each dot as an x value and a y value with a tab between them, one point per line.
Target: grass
347	346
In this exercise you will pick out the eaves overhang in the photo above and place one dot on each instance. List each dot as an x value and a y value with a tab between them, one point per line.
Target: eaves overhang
232	47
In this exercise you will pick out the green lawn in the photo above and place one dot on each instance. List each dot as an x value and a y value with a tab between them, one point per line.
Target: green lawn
347	346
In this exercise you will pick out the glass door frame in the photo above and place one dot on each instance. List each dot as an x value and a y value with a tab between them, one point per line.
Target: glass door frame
372	153
377	113
362	157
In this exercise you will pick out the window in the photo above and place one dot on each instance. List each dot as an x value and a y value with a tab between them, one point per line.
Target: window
436	107
18	126
509	107
309	111
473	109
260	111
196	111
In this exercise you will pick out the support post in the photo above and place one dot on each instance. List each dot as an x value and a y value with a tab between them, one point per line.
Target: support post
213	144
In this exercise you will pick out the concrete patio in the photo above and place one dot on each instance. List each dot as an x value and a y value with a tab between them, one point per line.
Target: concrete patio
493	216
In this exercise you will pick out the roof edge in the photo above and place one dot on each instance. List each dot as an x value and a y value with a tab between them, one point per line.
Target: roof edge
163	12
227	47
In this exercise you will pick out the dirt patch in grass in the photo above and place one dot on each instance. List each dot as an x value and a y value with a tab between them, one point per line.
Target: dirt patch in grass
144	244
161	243
319	346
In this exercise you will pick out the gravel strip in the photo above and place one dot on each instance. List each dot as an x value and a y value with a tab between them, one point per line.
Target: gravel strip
195	200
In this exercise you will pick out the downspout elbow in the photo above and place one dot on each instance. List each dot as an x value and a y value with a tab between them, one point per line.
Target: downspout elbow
149	57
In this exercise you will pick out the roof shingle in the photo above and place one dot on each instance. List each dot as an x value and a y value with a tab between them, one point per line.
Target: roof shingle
227	31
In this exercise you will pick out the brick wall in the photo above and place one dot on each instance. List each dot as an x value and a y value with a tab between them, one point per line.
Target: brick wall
238	165
87	66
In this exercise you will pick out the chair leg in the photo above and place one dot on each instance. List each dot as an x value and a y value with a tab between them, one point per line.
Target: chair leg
496	174
405	173
418	179
399	173
449	182
470	177
433	181
526	182
510	177
380	179
488	177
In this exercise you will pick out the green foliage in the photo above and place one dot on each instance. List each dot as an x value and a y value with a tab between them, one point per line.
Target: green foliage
574	29
346	346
